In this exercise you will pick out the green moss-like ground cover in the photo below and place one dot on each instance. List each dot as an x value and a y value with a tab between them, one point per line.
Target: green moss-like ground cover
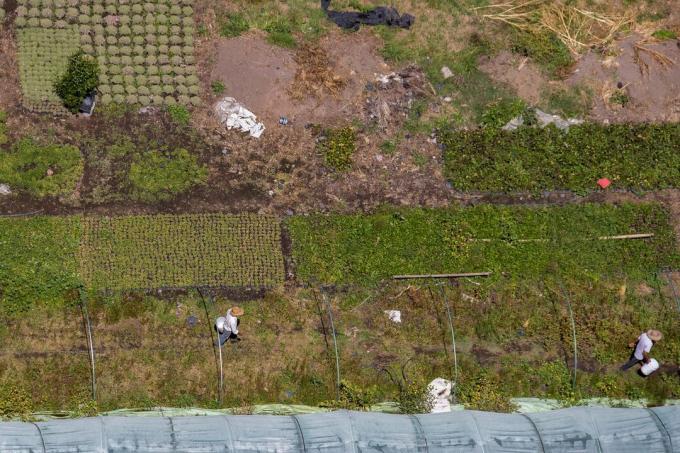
364	249
38	261
42	171
181	250
632	156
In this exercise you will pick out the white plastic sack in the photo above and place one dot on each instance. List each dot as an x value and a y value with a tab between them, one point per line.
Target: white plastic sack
650	367
234	115
440	390
219	323
394	315
543	119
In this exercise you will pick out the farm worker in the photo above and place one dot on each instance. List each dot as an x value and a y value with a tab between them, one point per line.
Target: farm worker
227	326
642	346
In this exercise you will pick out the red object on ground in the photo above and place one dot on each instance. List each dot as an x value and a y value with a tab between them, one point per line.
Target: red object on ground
603	183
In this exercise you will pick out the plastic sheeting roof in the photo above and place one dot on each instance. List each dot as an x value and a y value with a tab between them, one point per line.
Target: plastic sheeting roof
567	430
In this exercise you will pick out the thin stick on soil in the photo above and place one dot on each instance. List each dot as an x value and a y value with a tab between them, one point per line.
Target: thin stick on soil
218	365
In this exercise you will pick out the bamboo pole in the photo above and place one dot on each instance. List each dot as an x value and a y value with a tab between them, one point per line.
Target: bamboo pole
463	275
599	238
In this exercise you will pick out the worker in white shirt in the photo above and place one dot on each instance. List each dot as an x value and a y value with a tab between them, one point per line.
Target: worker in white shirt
643	345
227	326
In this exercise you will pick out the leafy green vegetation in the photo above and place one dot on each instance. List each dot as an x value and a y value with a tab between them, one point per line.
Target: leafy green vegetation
528	159
217	87
354	398
3	128
233	25
337	147
15	401
184	250
365	249
484	393
572	102
80	80
500	112
38	261
161	175
280	33
664	34
619	97
179	114
52	170
544	48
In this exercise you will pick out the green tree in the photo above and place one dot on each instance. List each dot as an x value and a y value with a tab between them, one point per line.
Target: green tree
81	78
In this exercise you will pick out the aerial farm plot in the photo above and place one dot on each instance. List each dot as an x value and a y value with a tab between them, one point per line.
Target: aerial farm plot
144	49
178	251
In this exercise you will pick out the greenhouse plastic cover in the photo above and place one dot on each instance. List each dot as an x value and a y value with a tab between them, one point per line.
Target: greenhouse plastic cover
579	429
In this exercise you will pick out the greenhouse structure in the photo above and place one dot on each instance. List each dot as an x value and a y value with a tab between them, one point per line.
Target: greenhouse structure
580	429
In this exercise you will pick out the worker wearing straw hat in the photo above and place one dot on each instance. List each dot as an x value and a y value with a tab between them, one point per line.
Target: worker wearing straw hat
227	326
643	345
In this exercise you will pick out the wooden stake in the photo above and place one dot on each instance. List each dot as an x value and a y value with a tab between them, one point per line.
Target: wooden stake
463	275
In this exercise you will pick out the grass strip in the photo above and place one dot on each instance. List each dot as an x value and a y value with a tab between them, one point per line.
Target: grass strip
364	249
636	157
181	250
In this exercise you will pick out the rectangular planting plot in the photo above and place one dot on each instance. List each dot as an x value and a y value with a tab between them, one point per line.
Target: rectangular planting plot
168	251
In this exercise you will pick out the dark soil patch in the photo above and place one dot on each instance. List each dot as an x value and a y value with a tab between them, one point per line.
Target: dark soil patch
10	6
484	356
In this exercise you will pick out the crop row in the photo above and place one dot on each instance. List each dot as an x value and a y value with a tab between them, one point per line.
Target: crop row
43	56
178	251
516	242
145	50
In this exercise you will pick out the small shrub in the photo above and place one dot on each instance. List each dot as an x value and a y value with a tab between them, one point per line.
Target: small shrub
280	33
15	401
353	397
3	128
338	147
233	25
217	87
619	97
415	398
159	176
42	171
664	34
179	114
484	393
81	79
544	48
498	113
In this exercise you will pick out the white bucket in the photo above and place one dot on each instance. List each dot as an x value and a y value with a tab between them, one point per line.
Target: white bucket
650	367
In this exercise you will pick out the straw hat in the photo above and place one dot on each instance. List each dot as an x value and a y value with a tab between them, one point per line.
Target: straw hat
238	311
654	335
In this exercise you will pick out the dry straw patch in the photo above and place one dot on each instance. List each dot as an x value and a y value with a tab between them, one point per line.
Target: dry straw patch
578	28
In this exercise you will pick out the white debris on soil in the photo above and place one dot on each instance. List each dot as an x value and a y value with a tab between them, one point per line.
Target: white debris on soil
543	119
234	115
387	78
440	390
447	73
5	190
394	315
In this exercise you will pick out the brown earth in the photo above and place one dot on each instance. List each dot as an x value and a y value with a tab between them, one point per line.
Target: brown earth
647	71
518	72
261	77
